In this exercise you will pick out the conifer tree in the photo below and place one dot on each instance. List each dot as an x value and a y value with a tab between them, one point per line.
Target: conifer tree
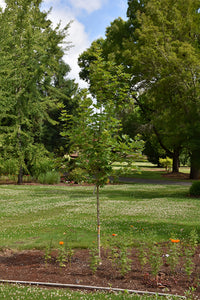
29	58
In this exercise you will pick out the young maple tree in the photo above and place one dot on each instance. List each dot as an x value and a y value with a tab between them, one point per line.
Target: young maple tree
95	136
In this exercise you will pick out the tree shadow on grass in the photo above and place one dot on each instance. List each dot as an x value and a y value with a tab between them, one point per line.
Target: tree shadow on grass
144	194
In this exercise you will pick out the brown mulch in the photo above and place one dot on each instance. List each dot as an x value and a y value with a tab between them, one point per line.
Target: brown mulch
177	175
30	266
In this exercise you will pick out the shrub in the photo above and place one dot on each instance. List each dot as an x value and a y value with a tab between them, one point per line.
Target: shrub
195	189
153	150
166	163
42	165
51	177
78	175
9	166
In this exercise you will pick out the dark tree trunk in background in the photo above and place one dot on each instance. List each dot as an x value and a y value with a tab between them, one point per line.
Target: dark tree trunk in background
195	164
176	163
20	176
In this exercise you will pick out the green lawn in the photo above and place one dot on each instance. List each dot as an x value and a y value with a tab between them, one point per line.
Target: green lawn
33	216
16	292
146	170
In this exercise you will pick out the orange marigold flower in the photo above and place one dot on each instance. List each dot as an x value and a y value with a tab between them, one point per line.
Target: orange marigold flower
131	226
174	241
114	234
61	243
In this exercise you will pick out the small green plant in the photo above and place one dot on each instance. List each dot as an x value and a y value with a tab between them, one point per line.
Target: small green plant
166	163
195	189
47	256
193	240
119	256
143	255
155	259
113	249
68	247
189	294
189	265
172	258
94	259
113	255
190	246
62	255
70	253
123	261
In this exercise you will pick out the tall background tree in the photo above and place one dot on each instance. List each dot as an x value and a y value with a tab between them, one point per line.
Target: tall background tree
66	93
167	57
159	47
30	57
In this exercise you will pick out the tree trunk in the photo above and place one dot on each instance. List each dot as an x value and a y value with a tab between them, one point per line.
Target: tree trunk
20	176
175	167
195	164
98	223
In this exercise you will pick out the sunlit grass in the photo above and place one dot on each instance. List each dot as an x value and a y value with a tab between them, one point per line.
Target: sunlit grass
147	170
32	216
16	292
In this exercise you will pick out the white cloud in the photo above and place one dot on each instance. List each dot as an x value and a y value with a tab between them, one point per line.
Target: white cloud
2	4
87	5
61	12
77	36
51	1
80	42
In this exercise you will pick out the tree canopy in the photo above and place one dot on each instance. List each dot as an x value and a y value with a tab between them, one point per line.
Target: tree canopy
158	46
167	58
30	55
95	136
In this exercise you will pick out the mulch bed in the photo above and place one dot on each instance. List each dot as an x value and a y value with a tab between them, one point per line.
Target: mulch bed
30	266
177	175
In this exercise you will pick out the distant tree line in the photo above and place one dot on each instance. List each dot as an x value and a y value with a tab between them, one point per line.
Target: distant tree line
145	70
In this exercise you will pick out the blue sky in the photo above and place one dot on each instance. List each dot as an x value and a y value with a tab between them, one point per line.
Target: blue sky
90	19
96	22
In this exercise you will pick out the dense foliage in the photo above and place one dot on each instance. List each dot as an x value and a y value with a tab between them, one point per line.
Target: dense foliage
195	189
30	70
95	137
158	47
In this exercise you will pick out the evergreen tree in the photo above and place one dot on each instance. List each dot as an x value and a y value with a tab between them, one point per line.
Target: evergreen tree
29	57
67	95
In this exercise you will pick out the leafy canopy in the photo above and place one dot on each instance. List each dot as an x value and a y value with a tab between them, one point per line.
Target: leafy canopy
29	58
95	136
